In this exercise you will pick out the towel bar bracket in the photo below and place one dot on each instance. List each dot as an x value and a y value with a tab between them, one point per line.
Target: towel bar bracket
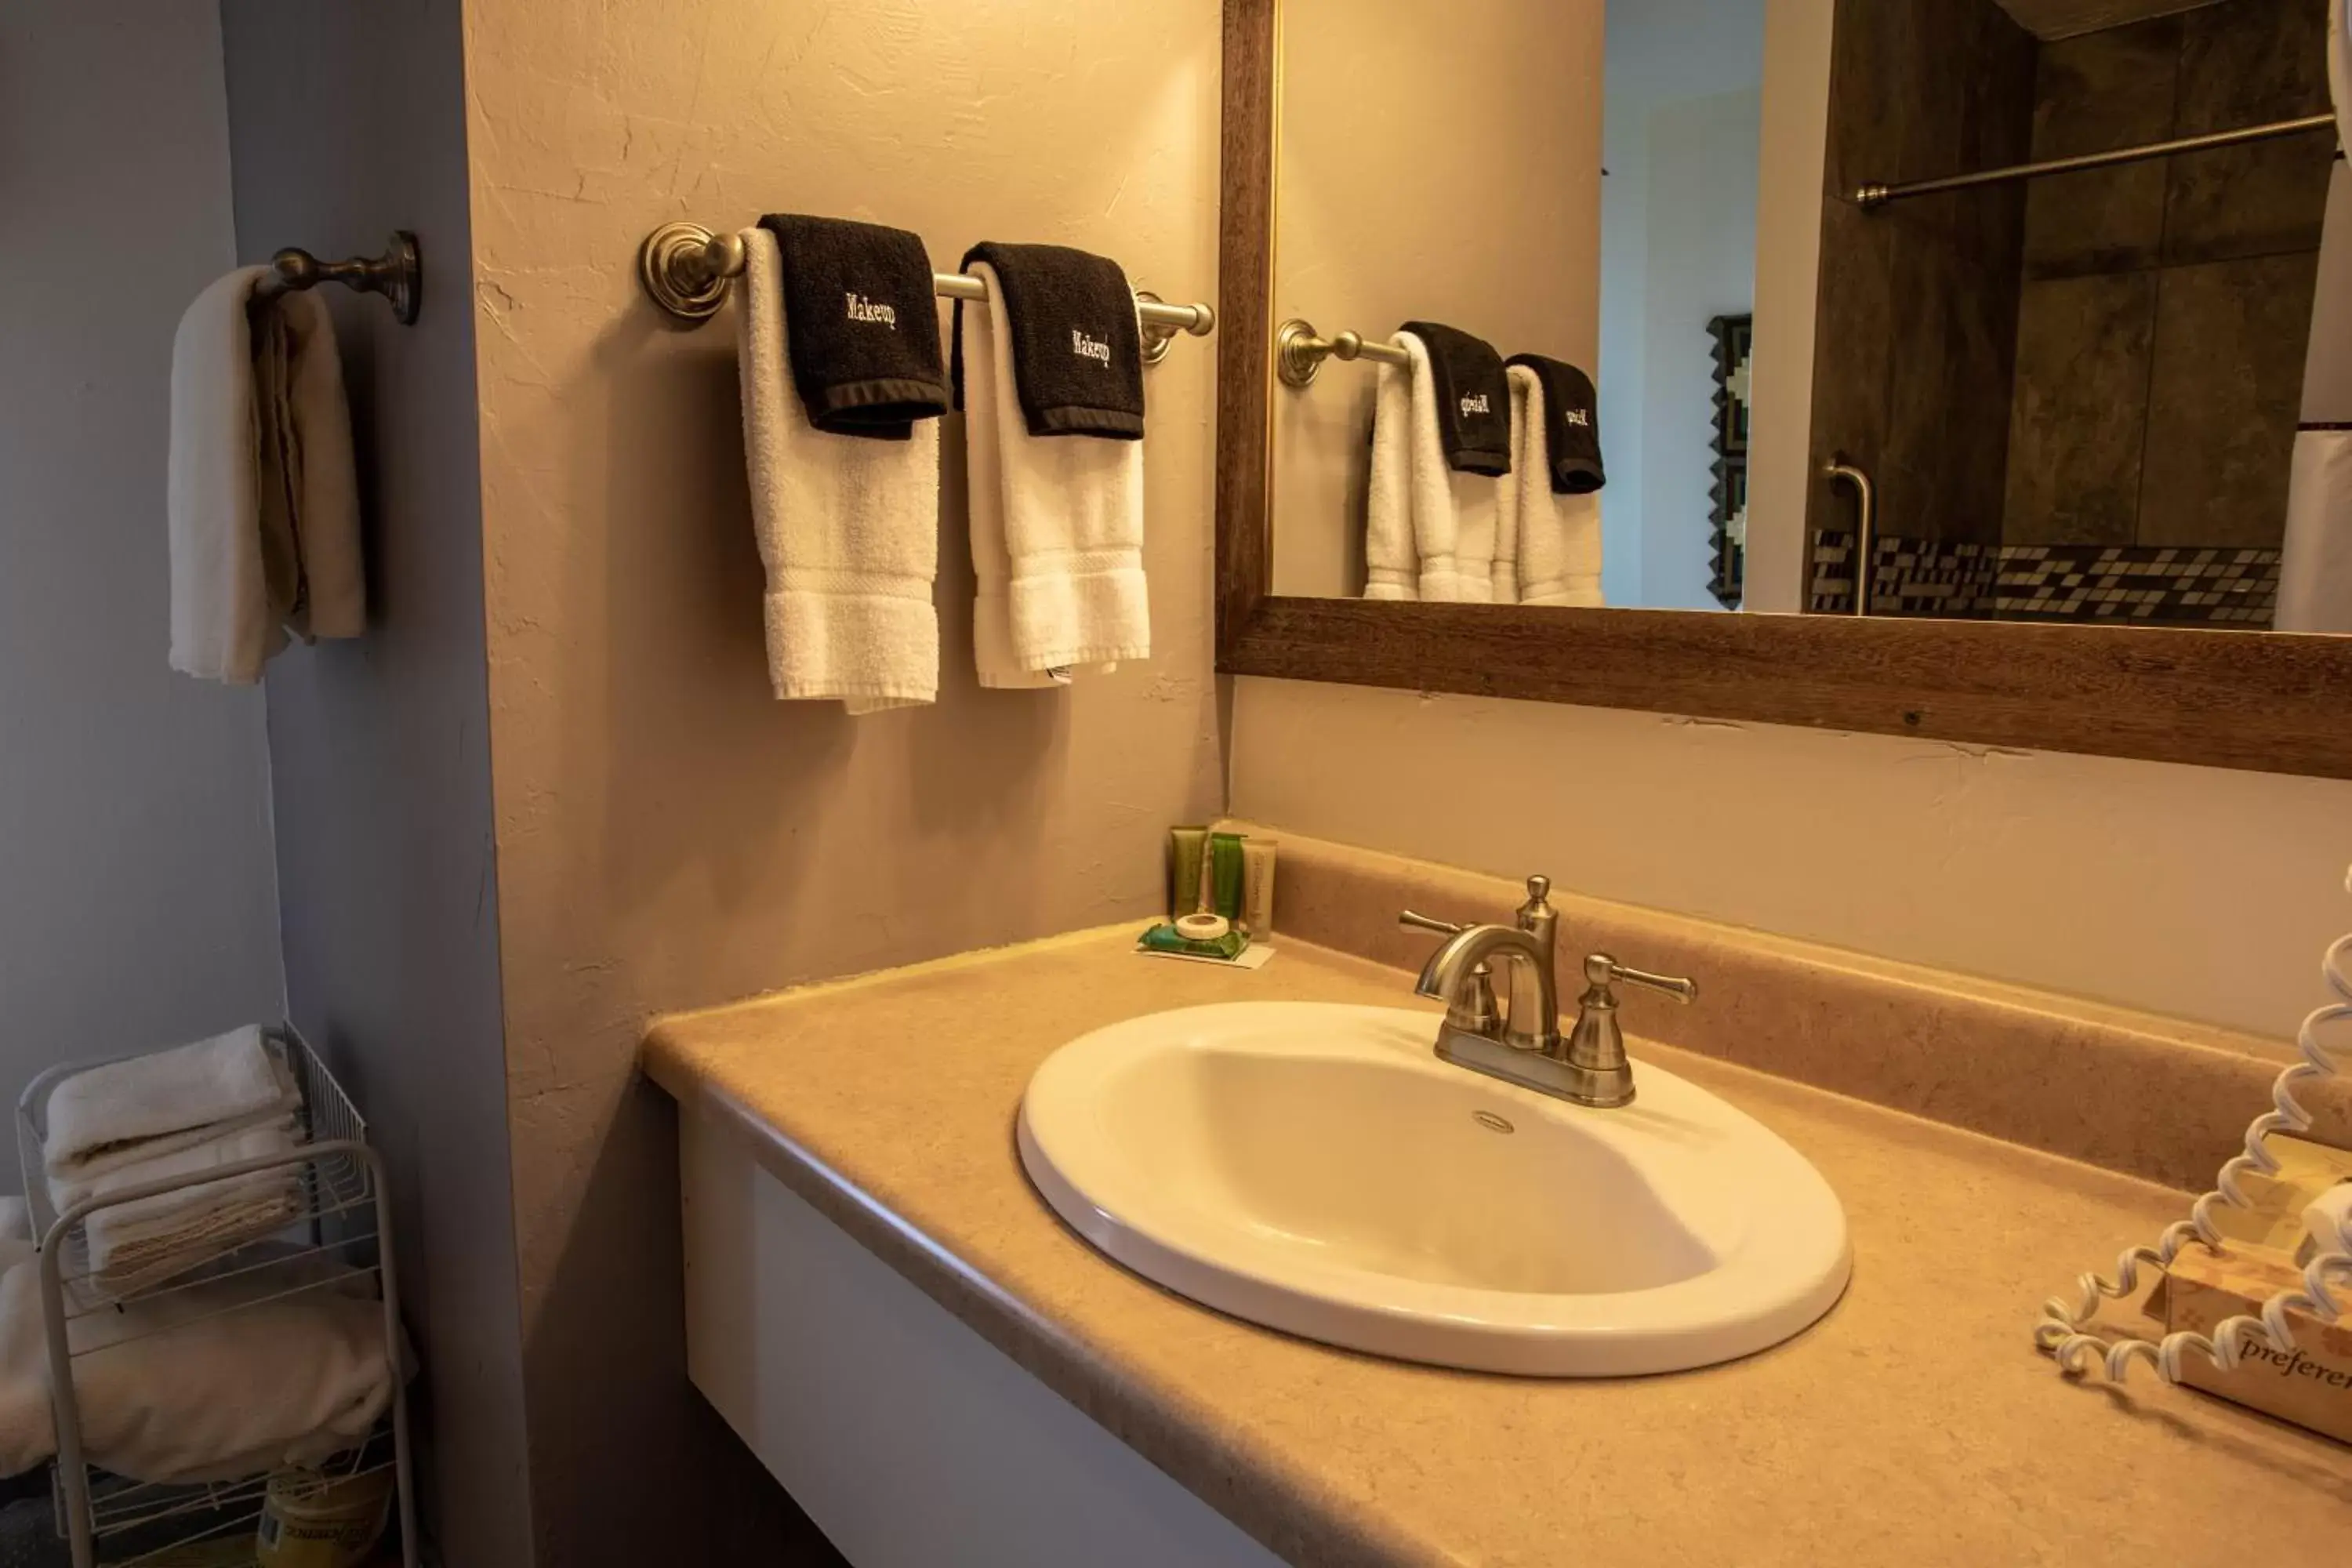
1299	350
673	267
398	274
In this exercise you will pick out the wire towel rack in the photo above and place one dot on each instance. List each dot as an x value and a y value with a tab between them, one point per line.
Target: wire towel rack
685	269
340	1232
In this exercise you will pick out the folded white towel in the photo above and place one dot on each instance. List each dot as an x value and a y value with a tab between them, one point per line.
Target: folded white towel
214	1383
1549	544
120	1113
1430	531
1072	515
848	527
142	1243
262	505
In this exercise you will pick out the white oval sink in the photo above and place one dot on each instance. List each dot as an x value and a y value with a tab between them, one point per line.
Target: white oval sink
1317	1169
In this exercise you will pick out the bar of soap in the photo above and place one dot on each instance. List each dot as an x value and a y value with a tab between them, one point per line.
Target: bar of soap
1166	938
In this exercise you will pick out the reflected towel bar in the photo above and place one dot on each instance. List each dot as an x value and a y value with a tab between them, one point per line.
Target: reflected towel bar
1299	350
685	269
1877	195
397	274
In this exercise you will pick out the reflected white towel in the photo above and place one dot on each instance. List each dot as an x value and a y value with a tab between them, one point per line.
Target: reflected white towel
1550	544
848	526
1391	559
121	1114
261	501
213	1382
1440	542
1072	521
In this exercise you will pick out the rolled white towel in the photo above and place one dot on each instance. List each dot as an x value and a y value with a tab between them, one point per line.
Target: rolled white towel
122	1113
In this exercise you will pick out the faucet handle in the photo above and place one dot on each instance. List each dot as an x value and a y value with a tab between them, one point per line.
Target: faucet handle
1600	970
1424	923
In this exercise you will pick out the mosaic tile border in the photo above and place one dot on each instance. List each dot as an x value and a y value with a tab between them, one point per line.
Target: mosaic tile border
2168	584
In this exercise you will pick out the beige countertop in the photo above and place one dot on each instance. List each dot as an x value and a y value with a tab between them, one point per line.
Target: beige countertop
1915	1424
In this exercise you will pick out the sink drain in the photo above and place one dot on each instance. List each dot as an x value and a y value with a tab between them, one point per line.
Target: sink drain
1491	1122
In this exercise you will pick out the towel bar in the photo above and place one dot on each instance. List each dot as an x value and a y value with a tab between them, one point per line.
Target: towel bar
1299	351
398	275
684	268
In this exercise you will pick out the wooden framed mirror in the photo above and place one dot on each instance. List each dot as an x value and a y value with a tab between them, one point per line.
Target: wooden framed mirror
2278	702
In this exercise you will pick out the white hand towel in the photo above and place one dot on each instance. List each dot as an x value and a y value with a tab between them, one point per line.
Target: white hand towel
848	527
213	1382
148	1240
261	502
1075	592
1454	518
987	408
1553	549
121	1114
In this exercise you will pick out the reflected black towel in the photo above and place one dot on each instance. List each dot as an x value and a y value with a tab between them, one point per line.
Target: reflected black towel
860	325
1078	354
1572	425
1473	401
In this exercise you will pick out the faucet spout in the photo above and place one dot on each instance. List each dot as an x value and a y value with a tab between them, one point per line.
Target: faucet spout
1534	1023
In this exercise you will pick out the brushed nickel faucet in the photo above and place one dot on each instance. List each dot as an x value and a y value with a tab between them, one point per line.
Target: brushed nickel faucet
1524	1046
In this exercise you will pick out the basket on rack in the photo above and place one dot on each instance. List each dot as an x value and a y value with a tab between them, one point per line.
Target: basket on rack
326	1228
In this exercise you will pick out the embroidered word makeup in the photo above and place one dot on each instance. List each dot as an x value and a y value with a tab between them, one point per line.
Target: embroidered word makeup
862	308
1086	347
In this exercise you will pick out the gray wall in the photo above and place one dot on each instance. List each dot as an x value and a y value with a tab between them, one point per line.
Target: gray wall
136	903
348	121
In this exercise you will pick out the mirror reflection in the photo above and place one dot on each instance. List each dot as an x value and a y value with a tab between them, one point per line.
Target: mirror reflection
2058	318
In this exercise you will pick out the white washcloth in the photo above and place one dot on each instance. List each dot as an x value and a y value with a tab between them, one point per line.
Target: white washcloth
213	1382
1429	531
1548	546
848	527
144	1242
1070	552
262	504
122	1113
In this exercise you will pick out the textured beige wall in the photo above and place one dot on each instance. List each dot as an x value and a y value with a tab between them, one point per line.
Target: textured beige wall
2195	891
1436	162
667	833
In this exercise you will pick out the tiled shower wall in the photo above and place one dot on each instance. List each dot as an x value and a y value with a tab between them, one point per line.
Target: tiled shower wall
1916	342
2165	305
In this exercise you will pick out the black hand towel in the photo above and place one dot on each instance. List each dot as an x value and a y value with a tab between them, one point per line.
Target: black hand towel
1473	401
1078	354
860	325
1572	425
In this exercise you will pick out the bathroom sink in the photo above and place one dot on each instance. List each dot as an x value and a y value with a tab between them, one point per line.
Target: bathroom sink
1315	1168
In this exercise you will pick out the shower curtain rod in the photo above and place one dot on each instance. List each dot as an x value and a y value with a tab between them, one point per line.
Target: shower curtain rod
1877	195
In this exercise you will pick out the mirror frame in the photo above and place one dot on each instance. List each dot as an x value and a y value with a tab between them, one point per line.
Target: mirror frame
2272	701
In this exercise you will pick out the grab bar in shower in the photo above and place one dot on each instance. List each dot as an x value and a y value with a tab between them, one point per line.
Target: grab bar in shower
1866	531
